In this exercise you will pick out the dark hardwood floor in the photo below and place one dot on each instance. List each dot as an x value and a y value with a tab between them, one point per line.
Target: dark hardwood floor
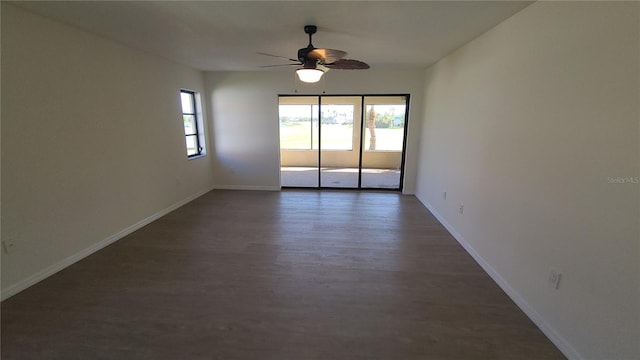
276	275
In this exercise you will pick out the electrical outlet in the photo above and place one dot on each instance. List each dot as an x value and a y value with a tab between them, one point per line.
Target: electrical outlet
554	278
461	209
8	245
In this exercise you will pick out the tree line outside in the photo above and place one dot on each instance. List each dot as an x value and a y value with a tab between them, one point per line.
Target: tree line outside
391	116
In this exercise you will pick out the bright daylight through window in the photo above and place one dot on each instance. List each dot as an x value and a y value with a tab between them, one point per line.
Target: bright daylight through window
385	127
384	124
299	127
192	124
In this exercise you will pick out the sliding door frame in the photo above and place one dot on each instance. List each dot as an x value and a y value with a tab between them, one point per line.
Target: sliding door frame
361	136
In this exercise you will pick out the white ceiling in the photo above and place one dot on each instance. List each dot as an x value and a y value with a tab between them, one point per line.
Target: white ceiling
225	35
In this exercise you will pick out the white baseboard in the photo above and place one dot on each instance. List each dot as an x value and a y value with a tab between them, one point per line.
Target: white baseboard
569	351
247	187
45	273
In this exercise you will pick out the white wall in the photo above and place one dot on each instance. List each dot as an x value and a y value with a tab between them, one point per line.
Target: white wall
526	126
92	143
244	108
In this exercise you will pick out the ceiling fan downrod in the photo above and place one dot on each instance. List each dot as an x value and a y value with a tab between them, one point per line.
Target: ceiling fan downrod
310	29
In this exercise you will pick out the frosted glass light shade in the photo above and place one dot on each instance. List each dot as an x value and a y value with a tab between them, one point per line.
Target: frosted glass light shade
309	75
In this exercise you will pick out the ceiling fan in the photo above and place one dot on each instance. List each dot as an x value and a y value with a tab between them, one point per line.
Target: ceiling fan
314	62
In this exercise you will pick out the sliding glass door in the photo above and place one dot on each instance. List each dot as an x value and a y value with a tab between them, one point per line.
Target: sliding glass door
340	141
383	145
351	142
299	139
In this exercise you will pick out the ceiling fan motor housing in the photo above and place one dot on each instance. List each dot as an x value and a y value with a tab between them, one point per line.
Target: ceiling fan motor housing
306	61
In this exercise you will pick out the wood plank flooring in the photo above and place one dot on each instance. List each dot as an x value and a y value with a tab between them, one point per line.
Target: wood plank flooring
275	275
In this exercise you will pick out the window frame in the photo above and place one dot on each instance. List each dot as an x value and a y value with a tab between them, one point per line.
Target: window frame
197	124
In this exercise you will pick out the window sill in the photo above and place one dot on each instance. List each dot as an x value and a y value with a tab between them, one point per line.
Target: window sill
196	157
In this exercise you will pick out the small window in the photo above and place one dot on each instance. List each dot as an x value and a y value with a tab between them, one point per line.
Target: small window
192	124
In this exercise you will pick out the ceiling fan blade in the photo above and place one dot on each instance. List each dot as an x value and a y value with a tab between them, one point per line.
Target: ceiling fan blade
268	66
326	56
348	64
277	56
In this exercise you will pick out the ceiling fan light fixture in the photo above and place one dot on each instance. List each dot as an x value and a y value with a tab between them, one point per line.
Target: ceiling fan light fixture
309	75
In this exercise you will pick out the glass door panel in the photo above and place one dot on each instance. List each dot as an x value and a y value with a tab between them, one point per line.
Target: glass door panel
383	145
340	141
299	131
